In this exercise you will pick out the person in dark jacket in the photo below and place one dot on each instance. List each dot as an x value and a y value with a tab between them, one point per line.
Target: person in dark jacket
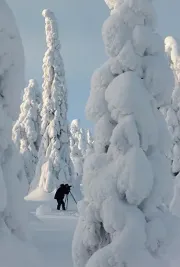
59	196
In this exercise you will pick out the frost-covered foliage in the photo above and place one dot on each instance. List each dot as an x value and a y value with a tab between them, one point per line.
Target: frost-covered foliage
172	111
14	248
82	141
76	153
172	115
127	181
90	142
81	144
26	131
54	164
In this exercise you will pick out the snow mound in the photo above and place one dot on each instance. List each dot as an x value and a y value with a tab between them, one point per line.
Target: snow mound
40	195
17	253
43	210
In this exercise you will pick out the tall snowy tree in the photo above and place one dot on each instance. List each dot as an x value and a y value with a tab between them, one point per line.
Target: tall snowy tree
15	250
127	182
54	166
26	131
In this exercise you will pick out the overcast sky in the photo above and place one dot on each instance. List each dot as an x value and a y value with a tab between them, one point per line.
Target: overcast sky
80	23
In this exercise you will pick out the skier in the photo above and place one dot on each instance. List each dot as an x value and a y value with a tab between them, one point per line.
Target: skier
59	196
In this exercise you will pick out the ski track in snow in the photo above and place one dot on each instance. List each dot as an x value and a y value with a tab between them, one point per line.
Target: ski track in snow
52	235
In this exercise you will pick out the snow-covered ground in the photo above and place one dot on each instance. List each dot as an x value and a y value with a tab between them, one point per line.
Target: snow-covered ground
52	235
51	230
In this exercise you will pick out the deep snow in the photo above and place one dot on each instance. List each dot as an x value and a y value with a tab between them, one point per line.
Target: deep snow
52	235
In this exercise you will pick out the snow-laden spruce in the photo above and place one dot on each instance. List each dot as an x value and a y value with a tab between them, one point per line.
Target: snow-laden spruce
81	144
76	157
76	153
54	164
127	182
90	142
172	112
172	115
14	248
26	131
82	141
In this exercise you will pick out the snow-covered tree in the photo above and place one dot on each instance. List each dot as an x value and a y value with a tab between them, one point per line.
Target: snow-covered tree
26	131
15	251
172	115
81	144
54	165
82	141
90	142
76	153
127	183
172	111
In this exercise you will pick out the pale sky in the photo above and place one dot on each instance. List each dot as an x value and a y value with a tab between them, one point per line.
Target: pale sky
80	23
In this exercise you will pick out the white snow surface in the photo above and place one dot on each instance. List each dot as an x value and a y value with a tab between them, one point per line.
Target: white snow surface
127	182
43	210
52	236
54	165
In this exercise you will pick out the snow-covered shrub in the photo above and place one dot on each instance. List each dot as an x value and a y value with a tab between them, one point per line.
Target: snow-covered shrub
26	130
127	183
54	165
